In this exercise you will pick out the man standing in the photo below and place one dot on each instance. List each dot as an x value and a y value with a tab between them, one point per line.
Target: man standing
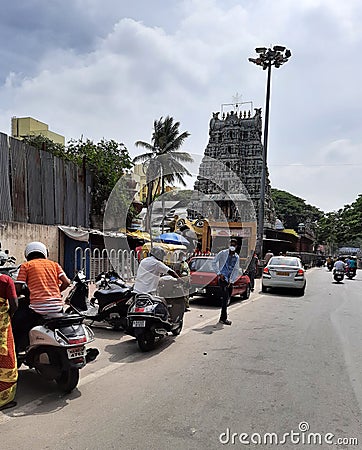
226	265
252	270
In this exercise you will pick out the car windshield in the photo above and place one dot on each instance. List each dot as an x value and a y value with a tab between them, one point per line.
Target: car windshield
282	261
201	265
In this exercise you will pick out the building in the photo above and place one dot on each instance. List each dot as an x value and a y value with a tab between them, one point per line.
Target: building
230	172
27	126
139	174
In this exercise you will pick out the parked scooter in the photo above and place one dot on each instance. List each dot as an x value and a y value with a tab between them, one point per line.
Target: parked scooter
110	302
56	349
338	275
150	317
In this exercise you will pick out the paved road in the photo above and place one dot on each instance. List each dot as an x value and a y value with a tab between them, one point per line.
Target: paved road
285	360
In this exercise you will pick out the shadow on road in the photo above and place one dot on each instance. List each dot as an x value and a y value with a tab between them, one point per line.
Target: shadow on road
209	329
37	396
282	292
128	350
210	303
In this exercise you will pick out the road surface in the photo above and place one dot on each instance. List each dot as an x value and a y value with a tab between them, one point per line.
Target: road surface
288	364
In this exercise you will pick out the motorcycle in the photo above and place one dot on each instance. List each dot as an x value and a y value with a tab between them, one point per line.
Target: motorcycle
338	275
56	349
109	304
151	317
350	272
330	266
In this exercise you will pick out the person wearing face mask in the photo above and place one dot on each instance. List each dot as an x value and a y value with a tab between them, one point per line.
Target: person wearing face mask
226	265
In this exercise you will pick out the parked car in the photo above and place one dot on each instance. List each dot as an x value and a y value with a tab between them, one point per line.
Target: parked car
284	272
204	279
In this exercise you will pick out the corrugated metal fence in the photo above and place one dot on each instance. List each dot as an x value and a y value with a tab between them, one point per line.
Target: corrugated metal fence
37	187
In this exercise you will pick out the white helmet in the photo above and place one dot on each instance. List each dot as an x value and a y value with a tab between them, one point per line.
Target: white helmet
37	247
158	252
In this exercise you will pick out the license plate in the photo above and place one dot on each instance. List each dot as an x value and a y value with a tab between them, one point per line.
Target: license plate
76	352
139	323
283	274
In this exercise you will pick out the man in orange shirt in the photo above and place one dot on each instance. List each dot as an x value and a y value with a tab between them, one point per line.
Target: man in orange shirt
45	280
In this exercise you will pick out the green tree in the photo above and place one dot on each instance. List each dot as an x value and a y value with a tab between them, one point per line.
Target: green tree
163	158
343	228
106	160
43	143
292	210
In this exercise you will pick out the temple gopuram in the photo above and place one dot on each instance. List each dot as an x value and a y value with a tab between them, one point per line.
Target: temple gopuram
228	182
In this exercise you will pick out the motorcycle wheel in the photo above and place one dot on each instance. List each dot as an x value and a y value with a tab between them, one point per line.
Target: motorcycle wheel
68	379
177	330
146	341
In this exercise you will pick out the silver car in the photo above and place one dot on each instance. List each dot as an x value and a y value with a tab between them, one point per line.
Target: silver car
284	271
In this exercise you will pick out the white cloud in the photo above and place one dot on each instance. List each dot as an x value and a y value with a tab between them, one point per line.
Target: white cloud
138	68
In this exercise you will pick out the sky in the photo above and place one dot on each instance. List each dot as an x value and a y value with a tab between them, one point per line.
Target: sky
108	69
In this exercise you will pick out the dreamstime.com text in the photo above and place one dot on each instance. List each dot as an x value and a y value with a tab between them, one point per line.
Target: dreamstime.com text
301	437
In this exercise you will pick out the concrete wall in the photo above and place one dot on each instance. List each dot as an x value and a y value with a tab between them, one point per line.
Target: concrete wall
15	235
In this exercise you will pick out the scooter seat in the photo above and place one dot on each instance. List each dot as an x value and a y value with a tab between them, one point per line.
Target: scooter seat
63	321
111	294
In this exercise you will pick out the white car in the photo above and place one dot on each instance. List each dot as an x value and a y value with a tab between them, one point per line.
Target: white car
284	272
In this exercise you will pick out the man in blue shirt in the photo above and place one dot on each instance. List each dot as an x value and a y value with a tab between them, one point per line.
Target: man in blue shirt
226	265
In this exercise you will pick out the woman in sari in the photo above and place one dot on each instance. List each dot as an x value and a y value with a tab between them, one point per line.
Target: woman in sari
8	367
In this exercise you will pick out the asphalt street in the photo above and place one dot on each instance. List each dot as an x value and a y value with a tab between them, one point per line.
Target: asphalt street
288	364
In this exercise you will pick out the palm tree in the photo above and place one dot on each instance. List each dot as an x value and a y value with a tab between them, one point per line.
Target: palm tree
163	158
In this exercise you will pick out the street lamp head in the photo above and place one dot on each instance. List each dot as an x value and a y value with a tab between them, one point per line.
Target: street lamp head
267	57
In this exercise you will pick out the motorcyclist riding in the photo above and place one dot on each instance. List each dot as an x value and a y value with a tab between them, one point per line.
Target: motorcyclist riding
45	280
351	265
339	265
150	270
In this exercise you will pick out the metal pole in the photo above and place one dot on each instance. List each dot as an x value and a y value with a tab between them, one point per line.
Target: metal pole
261	211
163	199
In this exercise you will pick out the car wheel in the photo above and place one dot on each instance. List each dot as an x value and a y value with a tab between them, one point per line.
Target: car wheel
301	291
263	288
177	330
246	294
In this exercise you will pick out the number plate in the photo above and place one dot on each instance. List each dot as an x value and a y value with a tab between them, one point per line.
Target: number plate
283	274
139	323
76	352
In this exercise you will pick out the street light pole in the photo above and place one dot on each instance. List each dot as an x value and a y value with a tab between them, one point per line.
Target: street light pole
267	57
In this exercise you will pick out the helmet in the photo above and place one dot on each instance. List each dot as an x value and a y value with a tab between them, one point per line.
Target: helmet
37	247
158	252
